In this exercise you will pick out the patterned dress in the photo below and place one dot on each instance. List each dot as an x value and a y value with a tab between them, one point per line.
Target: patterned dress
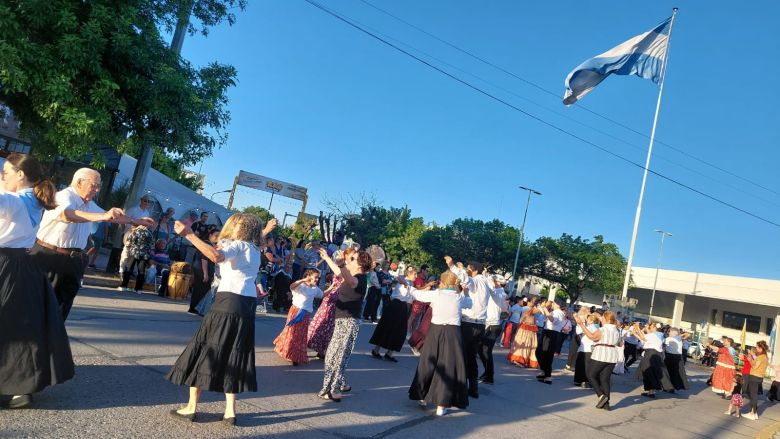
323	322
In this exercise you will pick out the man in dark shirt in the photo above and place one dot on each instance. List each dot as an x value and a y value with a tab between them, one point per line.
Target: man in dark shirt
200	228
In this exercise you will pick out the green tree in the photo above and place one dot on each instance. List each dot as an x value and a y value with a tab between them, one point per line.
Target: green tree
81	73
260	212
492	243
577	264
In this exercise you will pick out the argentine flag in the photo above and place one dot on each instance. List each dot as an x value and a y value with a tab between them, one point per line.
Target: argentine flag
643	56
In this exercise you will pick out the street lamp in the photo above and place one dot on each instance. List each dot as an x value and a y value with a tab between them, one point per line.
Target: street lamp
664	234
219	192
522	235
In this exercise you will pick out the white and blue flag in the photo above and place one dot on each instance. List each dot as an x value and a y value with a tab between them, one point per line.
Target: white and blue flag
643	56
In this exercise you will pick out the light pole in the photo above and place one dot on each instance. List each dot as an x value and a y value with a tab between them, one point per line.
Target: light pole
219	192
664	234
522	235
284	220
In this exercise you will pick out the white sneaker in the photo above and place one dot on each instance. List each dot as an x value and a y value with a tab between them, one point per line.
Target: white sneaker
422	403
415	352
120	288
441	411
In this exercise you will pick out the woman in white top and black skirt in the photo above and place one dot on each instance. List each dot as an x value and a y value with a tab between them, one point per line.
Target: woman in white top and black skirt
441	372
221	355
390	333
604	355
586	348
673	360
34	347
651	368
351	293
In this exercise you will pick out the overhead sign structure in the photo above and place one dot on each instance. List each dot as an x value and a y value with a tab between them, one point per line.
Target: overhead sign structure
271	185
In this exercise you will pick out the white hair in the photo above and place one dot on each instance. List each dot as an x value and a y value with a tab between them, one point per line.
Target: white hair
83	173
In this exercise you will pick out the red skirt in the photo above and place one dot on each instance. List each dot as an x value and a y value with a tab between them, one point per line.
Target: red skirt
291	343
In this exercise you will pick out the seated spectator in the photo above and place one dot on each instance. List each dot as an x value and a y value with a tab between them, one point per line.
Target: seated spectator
162	261
139	246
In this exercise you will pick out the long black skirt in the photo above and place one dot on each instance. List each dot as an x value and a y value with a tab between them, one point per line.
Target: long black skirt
581	368
390	333
676	370
441	372
34	346
652	371
221	355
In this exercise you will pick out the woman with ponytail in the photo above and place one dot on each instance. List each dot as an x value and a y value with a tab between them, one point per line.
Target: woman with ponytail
34	348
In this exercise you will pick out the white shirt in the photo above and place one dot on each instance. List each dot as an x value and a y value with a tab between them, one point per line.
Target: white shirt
239	269
630	338
303	297
517	312
137	212
446	305
402	294
586	345
56	232
653	341
673	345
16	225
481	292
606	349
494	308
557	322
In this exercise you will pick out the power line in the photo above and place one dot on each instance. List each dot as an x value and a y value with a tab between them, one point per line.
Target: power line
532	116
565	116
557	97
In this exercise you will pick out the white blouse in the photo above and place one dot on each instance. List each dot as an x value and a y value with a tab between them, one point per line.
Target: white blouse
303	297
606	349
446	304
673	345
586	345
557	322
402	294
239	269
18	221
654	341
494	308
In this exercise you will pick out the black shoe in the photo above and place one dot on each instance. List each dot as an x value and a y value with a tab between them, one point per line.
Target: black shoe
541	377
320	356
605	407
376	354
192	311
231	422
21	402
648	395
473	389
485	381
346	389
185	418
294	363
389	357
604	400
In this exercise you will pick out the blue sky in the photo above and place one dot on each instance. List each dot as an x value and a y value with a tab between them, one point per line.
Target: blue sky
324	106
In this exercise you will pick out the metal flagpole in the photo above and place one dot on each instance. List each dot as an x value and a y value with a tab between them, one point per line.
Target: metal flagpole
647	162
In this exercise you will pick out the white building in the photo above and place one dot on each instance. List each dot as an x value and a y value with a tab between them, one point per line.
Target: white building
712	304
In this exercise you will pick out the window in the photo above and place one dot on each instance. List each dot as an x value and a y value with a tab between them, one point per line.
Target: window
735	321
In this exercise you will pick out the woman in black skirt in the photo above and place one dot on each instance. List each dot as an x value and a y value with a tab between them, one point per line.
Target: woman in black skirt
441	372
673	360
34	347
390	334
652	370
221	355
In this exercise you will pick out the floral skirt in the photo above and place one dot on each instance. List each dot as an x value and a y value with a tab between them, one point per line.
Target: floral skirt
291	342
321	328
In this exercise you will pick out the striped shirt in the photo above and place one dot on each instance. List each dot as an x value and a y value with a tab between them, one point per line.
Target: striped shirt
606	350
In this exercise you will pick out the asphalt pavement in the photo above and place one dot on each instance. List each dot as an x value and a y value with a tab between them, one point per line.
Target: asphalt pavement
124	343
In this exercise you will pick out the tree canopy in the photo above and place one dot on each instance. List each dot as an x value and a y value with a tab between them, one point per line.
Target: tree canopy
574	264
78	74
577	264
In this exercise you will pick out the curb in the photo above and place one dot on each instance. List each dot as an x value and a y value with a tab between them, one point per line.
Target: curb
769	431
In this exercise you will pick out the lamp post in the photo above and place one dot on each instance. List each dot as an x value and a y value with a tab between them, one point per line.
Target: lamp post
219	192
664	234
522	235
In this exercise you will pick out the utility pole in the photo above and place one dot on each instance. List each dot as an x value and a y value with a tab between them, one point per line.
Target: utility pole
522	235
664	234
